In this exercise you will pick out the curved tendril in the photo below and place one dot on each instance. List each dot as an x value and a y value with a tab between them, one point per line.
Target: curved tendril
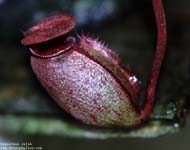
158	58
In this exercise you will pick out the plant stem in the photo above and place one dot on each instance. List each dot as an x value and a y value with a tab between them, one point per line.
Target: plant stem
158	58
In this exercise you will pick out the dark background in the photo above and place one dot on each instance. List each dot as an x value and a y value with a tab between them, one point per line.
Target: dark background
128	27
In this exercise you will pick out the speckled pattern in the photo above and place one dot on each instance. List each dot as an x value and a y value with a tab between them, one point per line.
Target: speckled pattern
85	89
110	60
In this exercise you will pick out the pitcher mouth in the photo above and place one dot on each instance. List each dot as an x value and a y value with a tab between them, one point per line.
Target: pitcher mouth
52	48
50	37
